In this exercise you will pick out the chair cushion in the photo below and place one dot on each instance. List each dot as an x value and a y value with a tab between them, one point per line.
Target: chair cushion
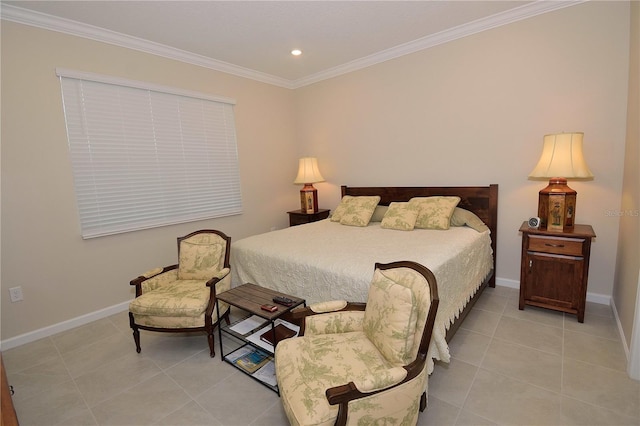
182	298
390	319
200	257
306	366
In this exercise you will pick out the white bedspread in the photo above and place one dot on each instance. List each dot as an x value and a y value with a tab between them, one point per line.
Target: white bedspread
325	260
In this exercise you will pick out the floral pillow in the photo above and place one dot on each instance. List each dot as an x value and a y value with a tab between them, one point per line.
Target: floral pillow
358	210
390	318
401	216
341	209
199	260
435	212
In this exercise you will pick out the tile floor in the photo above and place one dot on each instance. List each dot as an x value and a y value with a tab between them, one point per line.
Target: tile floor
508	367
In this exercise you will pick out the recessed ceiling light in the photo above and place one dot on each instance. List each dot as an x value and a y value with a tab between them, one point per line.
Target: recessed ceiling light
296	52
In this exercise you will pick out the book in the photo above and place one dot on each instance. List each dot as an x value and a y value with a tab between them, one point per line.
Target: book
281	331
252	361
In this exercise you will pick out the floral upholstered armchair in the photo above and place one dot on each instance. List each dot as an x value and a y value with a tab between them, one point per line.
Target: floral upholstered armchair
180	298
362	363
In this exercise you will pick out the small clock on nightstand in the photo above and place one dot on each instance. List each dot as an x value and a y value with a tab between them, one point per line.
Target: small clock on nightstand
299	217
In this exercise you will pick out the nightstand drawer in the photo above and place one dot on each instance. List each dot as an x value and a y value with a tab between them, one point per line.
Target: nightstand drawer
556	245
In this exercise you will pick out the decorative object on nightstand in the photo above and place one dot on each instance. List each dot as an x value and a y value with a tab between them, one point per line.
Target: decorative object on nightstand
299	217
561	158
554	268
308	174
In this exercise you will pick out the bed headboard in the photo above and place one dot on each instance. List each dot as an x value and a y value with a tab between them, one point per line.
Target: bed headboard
481	200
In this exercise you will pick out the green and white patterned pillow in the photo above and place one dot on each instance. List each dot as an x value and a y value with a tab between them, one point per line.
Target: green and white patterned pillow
401	216
435	212
201	256
341	209
390	318
359	210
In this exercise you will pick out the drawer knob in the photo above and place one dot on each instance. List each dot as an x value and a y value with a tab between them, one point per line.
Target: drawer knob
554	245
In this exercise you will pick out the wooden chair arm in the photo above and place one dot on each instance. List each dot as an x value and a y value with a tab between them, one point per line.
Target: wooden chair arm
343	394
148	275
300	314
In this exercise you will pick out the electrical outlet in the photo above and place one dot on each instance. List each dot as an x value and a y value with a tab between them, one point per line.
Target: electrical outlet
16	294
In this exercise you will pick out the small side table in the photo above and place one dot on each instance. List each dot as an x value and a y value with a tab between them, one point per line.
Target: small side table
299	217
554	268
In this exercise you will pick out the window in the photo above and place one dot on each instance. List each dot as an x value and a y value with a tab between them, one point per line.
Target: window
145	156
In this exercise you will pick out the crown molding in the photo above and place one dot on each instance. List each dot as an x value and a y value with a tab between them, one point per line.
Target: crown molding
504	18
66	26
48	22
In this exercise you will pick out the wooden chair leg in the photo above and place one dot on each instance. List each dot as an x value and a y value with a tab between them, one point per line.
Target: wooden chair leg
136	332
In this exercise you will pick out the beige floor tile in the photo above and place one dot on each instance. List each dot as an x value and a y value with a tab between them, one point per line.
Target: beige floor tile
44	377
53	407
492	302
29	355
229	401
535	314
168	349
577	413
483	322
144	404
190	414
94	356
599	309
110	380
451	382
595	350
469	419
85	335
438	413
594	325
602	387
200	372
469	346
511	402
524	364
274	416
531	334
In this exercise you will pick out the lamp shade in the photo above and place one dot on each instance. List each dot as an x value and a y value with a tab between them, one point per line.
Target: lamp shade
562	157
308	171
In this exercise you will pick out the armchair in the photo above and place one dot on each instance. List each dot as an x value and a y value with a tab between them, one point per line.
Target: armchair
181	297
362	363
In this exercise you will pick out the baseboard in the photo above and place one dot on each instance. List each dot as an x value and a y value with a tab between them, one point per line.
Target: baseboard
601	299
62	326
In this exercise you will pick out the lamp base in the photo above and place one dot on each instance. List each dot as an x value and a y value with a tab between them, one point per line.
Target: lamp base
557	206
309	199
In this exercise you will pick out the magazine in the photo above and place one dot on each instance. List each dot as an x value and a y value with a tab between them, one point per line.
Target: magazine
251	360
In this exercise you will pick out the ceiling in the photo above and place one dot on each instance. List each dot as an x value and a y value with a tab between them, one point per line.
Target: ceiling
254	38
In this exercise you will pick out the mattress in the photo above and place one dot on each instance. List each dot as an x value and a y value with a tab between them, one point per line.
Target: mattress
325	260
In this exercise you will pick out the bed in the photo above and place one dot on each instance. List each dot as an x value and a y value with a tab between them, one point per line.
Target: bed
325	260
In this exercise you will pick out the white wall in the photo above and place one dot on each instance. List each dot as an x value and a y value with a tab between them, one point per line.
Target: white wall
474	112
63	276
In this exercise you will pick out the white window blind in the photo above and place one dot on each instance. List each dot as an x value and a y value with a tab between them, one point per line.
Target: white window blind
145	156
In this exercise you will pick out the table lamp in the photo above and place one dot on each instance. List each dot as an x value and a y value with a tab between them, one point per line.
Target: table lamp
308	174
561	158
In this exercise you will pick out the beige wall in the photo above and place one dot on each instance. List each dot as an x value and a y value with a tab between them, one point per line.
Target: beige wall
470	112
474	111
63	276
628	260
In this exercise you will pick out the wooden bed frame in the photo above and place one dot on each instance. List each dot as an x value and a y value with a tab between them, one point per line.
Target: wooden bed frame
481	200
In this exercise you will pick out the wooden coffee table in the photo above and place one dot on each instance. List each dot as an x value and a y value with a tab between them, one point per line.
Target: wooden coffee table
250	298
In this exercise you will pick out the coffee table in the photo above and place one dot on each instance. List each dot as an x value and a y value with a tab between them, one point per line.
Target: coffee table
249	298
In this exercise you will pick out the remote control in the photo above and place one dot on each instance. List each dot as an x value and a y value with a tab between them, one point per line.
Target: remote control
283	301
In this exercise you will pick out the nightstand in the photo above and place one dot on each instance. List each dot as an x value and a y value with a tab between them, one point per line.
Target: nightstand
298	217
554	268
